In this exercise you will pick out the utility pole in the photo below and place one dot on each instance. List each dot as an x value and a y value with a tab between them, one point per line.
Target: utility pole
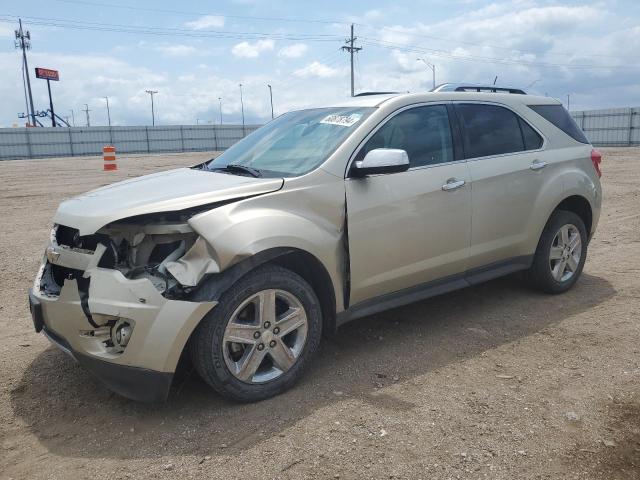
73	118
271	98
242	110
153	115
220	103
351	49
86	111
432	67
568	102
108	112
24	42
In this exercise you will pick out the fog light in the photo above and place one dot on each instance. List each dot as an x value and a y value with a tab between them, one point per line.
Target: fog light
120	333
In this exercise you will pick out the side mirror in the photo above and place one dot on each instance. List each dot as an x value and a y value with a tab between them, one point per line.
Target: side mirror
381	160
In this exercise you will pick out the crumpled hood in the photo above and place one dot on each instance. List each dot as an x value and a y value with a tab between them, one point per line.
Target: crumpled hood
171	190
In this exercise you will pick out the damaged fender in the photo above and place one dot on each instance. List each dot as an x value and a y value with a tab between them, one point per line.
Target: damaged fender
235	232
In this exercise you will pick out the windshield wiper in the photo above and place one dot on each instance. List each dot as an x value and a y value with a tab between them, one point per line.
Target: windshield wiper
235	167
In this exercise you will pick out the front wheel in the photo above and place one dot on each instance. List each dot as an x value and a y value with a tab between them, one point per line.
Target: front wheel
561	253
257	341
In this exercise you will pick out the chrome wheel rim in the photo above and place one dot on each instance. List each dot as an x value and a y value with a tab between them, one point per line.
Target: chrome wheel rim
565	253
265	336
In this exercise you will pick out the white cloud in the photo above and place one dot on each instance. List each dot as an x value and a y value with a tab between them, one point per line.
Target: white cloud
6	31
177	50
206	21
252	50
316	69
293	51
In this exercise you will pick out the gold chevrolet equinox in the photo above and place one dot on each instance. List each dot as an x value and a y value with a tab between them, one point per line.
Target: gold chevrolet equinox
241	264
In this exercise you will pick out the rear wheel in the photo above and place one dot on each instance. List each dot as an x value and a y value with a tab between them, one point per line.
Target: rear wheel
561	253
257	341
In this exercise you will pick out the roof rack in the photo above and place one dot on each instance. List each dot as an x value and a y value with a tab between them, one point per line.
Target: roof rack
366	94
464	87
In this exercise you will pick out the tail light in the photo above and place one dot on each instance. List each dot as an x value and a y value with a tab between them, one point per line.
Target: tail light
596	159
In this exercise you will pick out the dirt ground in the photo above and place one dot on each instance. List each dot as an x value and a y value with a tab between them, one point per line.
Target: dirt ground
494	381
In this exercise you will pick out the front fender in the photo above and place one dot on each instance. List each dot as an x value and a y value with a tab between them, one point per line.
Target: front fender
308	218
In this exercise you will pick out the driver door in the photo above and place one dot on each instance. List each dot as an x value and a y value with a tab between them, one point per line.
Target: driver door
409	228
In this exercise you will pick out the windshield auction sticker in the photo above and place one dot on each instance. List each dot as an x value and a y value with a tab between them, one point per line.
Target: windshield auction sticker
342	120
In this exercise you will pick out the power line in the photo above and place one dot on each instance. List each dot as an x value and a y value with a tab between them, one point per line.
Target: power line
475	44
475	58
193	13
167	31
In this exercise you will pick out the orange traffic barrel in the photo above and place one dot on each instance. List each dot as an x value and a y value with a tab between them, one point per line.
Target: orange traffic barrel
109	157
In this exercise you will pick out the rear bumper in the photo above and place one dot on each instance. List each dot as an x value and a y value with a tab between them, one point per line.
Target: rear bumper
140	384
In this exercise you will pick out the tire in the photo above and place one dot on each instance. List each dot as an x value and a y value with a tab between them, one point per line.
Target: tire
222	363
545	273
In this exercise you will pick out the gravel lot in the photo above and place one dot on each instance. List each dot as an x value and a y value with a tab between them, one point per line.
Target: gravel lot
494	381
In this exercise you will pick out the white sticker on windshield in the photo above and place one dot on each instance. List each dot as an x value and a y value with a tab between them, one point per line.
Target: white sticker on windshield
342	120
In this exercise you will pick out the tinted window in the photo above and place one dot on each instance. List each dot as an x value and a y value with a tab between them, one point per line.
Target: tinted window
532	140
423	132
489	130
557	115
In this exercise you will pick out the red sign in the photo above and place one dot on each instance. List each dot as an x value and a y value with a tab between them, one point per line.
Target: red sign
47	74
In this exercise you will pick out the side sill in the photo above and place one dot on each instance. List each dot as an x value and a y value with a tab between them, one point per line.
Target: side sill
434	288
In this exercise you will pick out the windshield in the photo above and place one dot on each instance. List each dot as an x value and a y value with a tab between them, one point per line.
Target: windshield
293	144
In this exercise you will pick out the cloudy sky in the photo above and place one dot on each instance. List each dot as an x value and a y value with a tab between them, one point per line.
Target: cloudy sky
194	52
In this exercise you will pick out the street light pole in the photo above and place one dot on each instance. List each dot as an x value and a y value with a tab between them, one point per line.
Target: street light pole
73	118
432	67
242	110
108	112
271	98
220	106
153	115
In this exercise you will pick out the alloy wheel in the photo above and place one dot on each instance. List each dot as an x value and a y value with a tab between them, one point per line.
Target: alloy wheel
565	253
265	336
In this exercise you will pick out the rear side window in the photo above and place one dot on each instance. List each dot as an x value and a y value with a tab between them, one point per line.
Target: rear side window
423	132
532	140
557	115
489	130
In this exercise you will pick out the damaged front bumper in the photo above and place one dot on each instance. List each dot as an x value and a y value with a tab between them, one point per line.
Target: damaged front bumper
82	324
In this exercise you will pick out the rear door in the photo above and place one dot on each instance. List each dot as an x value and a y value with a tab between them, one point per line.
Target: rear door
404	229
507	169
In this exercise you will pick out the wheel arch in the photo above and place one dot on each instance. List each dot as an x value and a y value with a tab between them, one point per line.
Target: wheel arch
299	261
581	207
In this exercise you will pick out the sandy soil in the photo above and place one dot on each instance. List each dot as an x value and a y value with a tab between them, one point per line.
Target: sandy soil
494	381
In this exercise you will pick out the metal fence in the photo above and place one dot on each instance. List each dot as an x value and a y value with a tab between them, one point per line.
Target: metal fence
611	127
16	143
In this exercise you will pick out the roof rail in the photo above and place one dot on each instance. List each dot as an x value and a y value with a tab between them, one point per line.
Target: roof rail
366	94
465	87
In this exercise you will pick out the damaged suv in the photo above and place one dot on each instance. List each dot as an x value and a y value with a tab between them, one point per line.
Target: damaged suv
324	215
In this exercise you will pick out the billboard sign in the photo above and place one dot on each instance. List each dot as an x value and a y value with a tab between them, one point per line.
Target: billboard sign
47	74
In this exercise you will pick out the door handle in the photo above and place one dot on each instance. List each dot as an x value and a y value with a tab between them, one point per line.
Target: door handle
452	184
537	165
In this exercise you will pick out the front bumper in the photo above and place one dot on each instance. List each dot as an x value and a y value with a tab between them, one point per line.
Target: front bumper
161	327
